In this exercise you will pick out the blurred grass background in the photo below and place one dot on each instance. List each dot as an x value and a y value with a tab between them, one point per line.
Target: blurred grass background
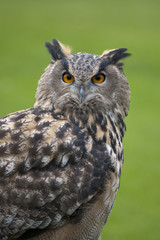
93	26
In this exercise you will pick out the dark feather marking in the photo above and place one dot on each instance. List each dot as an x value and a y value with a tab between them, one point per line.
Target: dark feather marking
14	148
42	125
2	179
36	138
120	65
113	142
104	138
104	124
36	162
15	136
98	141
2	170
60	133
121	121
32	151
58	115
35	173
92	130
125	111
65	64
19	116
79	154
31	233
64	148
113	126
3	133
72	160
84	193
79	143
110	135
95	185
76	129
55	50
53	186
37	119
84	119
118	54
47	150
18	124
73	120
102	121
38	111
103	65
99	118
21	168
82	135
122	133
120	155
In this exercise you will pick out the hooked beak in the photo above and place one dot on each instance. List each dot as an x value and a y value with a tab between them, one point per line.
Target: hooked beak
81	94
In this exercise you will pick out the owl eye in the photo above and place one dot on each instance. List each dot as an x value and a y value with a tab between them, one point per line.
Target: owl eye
67	77
98	78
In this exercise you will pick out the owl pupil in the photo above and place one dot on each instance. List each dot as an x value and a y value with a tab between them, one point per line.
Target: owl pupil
98	78
69	77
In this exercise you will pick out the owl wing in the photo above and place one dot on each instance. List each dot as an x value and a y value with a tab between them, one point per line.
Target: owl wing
49	168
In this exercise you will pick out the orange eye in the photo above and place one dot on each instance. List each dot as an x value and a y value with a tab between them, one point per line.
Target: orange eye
99	78
67	77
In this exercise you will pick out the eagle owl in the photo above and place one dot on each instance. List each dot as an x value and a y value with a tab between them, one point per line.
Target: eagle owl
61	160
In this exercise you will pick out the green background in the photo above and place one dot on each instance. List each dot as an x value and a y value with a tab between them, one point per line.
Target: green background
93	26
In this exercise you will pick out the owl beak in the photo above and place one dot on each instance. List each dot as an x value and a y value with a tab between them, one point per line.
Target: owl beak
81	94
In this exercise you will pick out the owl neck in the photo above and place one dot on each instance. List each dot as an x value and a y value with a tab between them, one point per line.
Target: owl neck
97	121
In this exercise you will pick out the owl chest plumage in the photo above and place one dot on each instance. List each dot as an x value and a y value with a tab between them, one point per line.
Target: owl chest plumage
61	167
98	169
97	152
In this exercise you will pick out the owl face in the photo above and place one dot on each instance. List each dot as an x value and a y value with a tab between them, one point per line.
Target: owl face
81	79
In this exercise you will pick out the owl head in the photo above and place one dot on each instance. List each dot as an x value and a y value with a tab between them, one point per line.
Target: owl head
83	82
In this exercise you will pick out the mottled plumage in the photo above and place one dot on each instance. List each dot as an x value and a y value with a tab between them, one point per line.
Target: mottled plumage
61	160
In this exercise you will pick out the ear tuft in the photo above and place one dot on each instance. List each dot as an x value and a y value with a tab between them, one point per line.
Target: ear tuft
57	50
115	55
65	49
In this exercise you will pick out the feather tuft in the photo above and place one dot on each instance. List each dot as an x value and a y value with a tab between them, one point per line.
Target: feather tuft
57	50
